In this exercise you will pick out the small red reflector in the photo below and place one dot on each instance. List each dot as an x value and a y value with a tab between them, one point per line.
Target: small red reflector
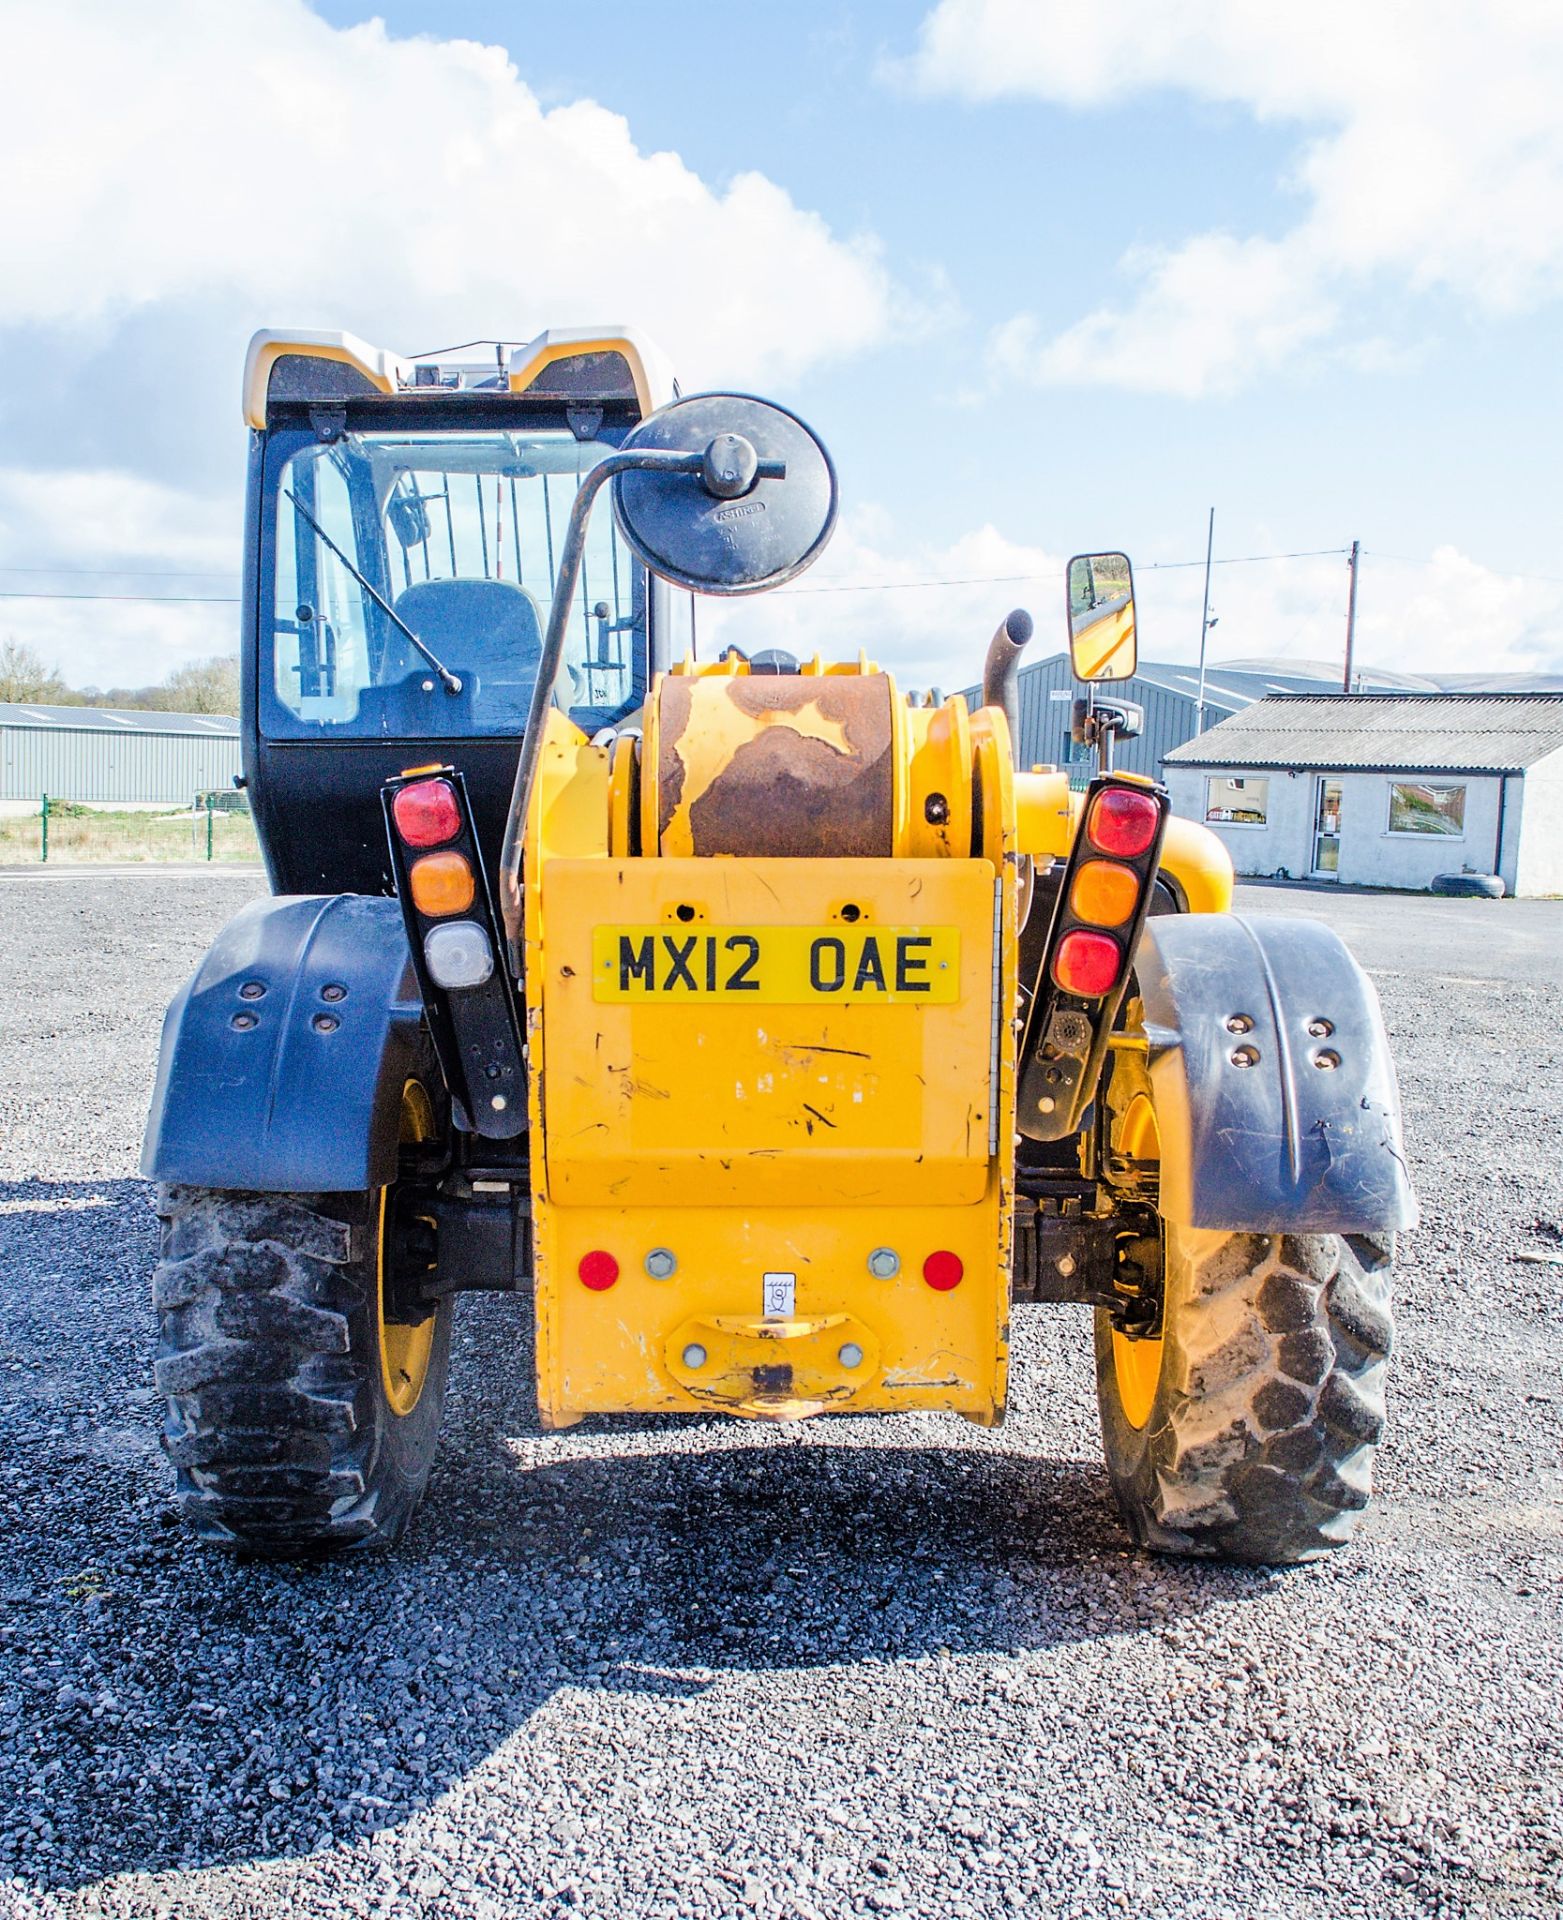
598	1271
1087	963
943	1270
427	815
1122	822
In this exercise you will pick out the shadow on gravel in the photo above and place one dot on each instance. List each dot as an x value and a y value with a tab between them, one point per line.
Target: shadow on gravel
175	1708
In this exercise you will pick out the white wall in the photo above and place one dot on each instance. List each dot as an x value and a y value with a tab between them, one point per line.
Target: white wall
1370	855
1284	843
1540	831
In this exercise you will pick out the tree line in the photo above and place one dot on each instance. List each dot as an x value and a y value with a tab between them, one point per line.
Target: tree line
200	686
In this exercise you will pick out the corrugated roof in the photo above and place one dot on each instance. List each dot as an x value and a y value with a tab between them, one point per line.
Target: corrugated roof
1468	732
25	713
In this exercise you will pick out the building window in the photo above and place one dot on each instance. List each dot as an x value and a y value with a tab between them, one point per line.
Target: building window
1240	801
1418	807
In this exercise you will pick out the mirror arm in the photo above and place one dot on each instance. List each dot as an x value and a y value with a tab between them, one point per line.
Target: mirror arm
1001	671
631	460
548	665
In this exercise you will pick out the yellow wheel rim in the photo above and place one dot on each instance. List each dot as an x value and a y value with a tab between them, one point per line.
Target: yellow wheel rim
404	1351
1137	1363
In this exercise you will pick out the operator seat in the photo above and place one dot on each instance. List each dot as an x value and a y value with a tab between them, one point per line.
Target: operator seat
490	630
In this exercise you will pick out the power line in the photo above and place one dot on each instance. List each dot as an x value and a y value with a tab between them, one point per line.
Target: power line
853	586
850	586
1241	559
140	599
904	586
1020	579
128	573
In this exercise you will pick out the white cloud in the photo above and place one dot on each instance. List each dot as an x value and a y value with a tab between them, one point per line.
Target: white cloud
1208	316
178	173
1447	614
137	537
52	519
870	592
412	190
923	611
1430	158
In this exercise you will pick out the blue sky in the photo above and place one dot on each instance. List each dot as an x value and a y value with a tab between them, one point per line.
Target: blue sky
1014	204
1043	279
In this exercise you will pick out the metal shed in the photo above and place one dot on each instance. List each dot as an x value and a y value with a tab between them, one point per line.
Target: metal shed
108	756
1169	695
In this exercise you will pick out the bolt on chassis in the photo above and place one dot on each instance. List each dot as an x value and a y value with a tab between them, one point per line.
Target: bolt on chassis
767	1028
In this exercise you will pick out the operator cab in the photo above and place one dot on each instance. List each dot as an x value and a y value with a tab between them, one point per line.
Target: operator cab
404	535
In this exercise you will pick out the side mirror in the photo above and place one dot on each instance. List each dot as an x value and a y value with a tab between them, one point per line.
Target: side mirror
731	527
1102	641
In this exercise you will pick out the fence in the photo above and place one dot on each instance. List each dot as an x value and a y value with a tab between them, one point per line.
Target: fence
216	827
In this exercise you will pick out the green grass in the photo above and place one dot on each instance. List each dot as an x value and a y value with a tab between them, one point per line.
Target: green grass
79	836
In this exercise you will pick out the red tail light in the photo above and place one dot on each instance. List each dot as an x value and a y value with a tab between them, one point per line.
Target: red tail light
1122	823
1087	963
427	814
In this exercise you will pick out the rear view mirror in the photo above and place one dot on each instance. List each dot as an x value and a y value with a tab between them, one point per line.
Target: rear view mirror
408	518
1102	642
730	528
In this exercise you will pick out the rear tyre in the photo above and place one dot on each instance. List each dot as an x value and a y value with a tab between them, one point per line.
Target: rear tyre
300	1421
1247	1432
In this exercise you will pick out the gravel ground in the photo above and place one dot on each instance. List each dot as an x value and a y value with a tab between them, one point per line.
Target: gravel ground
869	1666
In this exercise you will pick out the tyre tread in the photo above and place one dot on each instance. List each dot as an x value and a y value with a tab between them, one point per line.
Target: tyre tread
1261	1445
267	1424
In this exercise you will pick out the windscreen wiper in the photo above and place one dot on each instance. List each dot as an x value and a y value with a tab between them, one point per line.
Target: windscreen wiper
451	680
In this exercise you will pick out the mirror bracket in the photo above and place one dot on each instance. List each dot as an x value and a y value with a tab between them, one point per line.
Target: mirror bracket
727	466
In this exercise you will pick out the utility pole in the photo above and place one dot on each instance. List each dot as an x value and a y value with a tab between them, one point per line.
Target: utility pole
1204	618
1351	613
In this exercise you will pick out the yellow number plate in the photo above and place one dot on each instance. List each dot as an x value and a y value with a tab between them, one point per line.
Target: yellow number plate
776	965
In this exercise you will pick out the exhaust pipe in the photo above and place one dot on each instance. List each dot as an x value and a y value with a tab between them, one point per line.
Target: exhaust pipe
1001	671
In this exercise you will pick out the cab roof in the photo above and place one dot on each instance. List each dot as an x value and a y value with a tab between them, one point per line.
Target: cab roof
583	366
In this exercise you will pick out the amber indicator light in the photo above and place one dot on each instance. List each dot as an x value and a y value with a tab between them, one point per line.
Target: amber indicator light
442	883
1104	893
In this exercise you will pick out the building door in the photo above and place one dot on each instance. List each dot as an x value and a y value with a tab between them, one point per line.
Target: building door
1326	830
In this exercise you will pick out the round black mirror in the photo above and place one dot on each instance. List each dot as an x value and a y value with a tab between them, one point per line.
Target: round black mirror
728	528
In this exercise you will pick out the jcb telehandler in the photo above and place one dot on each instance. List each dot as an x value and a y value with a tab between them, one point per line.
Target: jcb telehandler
772	1032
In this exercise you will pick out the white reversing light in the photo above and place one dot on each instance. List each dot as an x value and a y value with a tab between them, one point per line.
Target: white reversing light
458	954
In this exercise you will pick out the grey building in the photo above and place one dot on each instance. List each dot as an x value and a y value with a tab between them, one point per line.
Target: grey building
109	756
1169	695
1384	790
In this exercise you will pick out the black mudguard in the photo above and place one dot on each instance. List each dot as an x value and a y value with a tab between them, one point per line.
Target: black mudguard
1282	1144
297	1088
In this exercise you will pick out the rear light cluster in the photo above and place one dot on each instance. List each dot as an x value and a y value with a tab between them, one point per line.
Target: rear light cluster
458	954
1084	974
454	936
1102	905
